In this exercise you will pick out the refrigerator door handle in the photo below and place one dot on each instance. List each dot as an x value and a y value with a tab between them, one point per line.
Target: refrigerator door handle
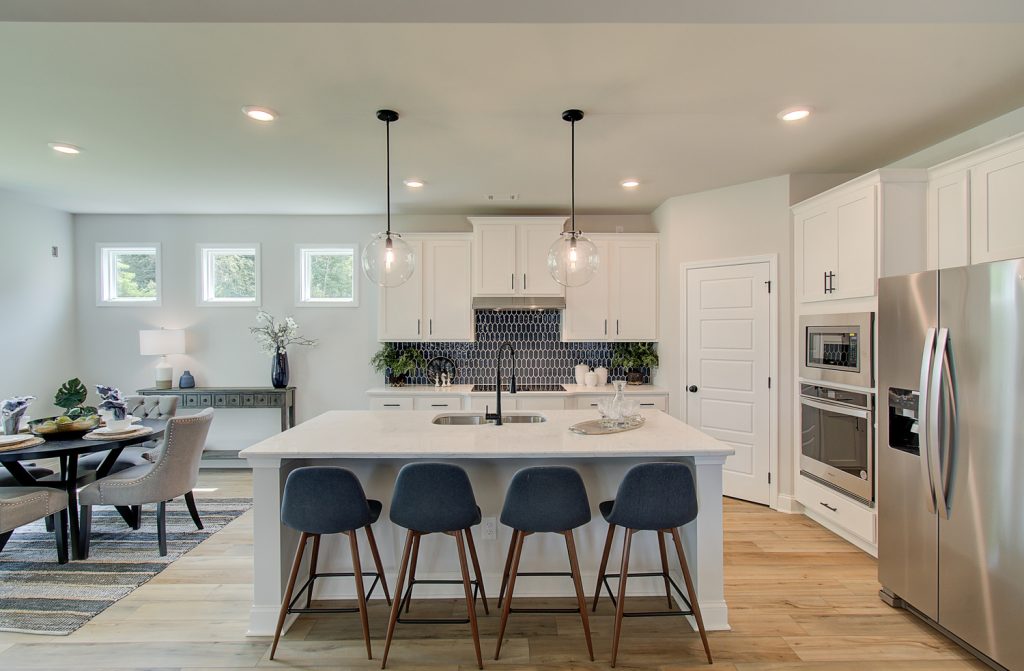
949	437
922	420
934	437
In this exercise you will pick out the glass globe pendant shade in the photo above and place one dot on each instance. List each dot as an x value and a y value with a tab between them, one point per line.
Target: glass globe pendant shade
388	260
573	260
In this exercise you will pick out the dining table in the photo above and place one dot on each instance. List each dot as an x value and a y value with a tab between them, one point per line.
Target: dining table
70	479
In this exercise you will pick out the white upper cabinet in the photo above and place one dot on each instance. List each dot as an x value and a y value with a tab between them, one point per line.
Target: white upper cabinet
856	226
436	302
997	205
949	220
818	247
587	308
512	255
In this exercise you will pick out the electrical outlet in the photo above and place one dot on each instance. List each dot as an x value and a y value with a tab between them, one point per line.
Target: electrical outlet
489	529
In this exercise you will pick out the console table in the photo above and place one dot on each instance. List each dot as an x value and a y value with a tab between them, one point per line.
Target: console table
233	397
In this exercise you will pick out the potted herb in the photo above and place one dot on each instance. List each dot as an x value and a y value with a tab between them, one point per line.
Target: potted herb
632	356
397	364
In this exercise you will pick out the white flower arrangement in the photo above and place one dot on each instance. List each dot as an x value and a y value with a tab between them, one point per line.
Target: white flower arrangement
274	338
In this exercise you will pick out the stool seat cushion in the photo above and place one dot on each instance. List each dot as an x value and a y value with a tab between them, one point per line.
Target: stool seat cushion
326	500
434	497
546	499
653	496
7	480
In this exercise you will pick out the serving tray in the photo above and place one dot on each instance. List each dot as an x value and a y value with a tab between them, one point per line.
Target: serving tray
597	427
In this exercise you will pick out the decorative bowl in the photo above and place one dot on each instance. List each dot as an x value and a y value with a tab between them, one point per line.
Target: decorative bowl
49	428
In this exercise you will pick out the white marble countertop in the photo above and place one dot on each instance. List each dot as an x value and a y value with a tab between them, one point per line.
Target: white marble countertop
365	434
467	390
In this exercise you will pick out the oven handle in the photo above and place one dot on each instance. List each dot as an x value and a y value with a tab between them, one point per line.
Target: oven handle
835	407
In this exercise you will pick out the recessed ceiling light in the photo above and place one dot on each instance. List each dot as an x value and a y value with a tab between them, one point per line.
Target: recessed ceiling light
630	183
414	183
259	113
65	148
794	113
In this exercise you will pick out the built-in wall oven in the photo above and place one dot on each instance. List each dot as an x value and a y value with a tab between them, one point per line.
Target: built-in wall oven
837	439
838	349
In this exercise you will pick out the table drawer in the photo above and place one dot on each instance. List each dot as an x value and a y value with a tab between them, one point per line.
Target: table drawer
439	403
829	504
391	403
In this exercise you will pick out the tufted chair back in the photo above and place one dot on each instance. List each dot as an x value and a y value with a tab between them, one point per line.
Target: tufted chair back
152	407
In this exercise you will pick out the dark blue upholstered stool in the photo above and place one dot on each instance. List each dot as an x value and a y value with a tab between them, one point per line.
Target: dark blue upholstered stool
544	499
657	497
328	500
435	498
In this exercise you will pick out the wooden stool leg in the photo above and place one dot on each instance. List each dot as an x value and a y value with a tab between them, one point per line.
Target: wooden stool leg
692	593
570	546
412	571
357	569
296	563
376	562
476	568
396	604
664	567
620	607
314	557
517	551
508	565
604	563
470	607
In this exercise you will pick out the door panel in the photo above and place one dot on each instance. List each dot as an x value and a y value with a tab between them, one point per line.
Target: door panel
949	221
533	277
728	340
586	308
449	292
855	237
495	255
634	291
817	235
401	307
997	200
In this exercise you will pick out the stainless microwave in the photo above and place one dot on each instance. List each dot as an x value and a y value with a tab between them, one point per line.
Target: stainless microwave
838	349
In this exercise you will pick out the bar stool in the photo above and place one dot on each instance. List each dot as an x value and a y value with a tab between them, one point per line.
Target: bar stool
328	500
544	499
656	497
436	498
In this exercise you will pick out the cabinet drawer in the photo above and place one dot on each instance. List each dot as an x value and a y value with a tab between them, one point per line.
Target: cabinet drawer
391	403
650	402
437	403
833	506
482	403
540	403
584	402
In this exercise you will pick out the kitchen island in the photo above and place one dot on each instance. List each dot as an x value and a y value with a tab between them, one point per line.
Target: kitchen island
376	444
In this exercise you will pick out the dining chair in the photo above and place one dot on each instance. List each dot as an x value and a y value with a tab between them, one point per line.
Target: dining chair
146	407
22	505
173	474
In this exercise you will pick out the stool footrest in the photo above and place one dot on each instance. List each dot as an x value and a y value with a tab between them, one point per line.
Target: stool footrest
543	610
308	585
407	597
656	613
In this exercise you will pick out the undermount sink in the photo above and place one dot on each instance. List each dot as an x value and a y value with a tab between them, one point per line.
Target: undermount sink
474	420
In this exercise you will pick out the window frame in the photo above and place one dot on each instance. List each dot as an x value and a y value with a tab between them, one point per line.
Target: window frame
203	265
104	251
303	252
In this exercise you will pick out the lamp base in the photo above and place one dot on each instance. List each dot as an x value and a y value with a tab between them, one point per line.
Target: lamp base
163	374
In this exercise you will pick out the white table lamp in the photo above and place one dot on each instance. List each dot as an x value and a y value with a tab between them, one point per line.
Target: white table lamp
161	342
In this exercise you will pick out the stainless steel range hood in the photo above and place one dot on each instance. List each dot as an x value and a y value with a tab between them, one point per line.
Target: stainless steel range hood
500	303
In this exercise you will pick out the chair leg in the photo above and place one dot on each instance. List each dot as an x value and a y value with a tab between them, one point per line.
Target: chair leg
508	566
470	606
49	524
664	568
377	563
517	551
574	565
137	511
190	501
161	527
60	535
476	569
296	563
604	563
396	604
4	537
412	571
357	569
691	593
620	607
85	530
314	557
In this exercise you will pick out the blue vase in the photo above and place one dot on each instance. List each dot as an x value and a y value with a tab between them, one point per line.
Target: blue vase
279	370
186	381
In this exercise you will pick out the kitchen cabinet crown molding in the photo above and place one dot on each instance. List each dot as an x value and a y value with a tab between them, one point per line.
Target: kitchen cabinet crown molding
880	176
976	156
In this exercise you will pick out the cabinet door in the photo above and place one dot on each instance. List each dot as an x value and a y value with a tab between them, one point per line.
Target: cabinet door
586	313
948	233
448	296
997	208
401	308
634	291
533	278
494	272
816	249
856	223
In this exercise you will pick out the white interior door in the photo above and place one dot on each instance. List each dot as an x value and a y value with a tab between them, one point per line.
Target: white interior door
728	341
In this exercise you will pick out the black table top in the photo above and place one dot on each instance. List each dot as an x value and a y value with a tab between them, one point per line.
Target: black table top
58	448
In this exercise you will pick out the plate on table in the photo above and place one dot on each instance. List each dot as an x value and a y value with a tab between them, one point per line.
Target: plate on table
15	439
132	418
108	431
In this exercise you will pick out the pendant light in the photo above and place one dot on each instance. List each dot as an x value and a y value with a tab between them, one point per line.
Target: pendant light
573	259
388	260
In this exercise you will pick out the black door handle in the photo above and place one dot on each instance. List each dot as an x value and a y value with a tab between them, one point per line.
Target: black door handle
692	389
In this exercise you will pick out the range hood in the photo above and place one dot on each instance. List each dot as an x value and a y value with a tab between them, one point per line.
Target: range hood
500	303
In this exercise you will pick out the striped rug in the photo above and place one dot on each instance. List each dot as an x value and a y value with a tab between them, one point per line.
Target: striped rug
40	596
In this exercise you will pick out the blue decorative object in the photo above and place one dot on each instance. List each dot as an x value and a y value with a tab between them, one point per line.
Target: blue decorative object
186	381
279	370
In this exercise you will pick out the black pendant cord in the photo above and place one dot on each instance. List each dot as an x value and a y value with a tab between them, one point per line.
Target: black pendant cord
572	177
387	134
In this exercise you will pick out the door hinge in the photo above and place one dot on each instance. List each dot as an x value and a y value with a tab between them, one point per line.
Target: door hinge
769	283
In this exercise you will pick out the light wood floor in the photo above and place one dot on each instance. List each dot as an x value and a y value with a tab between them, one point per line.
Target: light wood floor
799	598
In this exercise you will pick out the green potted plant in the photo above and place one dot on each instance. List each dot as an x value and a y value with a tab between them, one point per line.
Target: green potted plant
632	356
397	364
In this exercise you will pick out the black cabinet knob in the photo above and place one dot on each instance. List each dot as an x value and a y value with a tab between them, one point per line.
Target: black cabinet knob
692	389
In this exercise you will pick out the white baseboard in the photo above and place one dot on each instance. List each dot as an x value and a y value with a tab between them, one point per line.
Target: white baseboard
789	505
263	620
870	548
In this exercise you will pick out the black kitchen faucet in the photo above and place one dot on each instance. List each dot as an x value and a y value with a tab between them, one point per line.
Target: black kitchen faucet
511	382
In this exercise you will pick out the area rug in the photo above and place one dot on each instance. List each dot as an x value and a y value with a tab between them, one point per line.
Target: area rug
40	596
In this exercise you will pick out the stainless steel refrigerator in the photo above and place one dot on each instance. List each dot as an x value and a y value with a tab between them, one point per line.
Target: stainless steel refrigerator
951	452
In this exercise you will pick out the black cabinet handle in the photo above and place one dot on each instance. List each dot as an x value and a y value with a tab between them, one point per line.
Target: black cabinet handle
513	281
438	405
832	508
431	326
646	405
606	327
824	282
417	327
392	405
692	389
616	327
524	281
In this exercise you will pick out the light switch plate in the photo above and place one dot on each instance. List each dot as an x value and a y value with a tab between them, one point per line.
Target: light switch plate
489	529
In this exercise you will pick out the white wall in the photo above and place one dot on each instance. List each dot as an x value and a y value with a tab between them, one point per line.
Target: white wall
37	342
980	136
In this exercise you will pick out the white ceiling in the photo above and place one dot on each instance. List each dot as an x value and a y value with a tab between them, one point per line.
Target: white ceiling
682	107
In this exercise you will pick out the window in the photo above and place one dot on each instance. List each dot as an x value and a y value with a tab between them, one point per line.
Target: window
229	275
327	275
128	274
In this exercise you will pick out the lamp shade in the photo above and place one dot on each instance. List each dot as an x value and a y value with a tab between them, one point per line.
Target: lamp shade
161	341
